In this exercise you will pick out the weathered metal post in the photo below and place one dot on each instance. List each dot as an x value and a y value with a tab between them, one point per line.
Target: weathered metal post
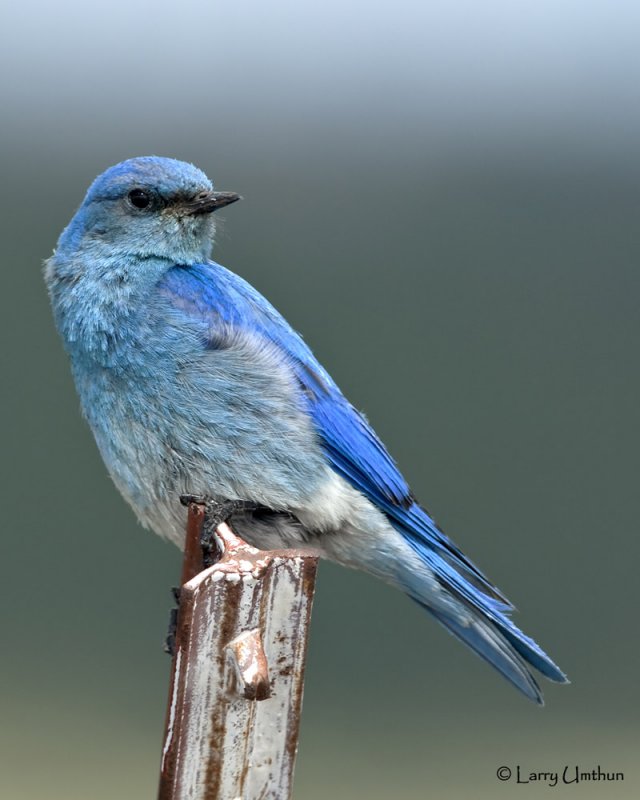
238	668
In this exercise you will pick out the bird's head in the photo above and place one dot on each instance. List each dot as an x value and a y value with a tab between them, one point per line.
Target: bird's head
148	207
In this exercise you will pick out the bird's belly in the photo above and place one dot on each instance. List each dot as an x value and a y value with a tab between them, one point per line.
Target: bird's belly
223	427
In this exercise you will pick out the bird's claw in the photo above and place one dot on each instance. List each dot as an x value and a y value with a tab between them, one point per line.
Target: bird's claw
198	499
216	512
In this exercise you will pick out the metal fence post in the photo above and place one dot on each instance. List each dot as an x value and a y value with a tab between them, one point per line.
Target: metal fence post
236	687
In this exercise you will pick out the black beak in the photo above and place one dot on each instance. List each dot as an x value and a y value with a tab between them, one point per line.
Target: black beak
206	202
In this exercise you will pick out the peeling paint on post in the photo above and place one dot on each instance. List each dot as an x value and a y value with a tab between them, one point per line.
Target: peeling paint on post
237	679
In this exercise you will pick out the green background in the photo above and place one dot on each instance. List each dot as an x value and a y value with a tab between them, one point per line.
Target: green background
445	200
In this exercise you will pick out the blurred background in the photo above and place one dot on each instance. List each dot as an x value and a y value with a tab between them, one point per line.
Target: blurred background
444	198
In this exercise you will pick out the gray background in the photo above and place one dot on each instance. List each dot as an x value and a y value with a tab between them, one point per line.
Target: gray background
444	198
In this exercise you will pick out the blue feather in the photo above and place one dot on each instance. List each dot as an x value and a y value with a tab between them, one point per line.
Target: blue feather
225	302
188	376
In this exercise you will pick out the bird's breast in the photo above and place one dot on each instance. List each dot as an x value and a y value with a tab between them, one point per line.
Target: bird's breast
180	418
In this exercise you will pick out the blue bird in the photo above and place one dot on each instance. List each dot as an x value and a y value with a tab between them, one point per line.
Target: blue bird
194	384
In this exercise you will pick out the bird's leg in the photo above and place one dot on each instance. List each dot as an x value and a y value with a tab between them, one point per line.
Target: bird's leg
198	499
216	513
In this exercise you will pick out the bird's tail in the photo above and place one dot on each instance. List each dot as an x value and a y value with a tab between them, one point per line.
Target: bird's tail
475	611
505	648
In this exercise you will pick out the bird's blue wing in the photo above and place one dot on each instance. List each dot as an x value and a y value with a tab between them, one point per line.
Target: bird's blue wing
226	302
351	445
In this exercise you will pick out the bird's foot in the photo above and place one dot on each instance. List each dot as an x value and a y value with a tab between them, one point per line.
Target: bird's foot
172	630
198	499
216	513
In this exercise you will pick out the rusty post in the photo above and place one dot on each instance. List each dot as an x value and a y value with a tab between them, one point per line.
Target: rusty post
237	676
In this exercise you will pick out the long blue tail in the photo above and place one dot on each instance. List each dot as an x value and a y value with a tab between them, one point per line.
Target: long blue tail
478	615
505	648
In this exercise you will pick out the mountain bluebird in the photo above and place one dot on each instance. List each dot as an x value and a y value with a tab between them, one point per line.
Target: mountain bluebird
194	384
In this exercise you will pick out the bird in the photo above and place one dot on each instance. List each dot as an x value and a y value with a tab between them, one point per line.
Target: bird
193	384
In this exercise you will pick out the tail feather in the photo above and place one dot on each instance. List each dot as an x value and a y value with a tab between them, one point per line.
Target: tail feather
487	642
531	653
478	612
498	641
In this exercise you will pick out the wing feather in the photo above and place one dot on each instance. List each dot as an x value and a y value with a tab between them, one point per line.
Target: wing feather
225	302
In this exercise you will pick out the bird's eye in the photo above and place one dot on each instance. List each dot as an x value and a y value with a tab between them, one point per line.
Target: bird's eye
139	198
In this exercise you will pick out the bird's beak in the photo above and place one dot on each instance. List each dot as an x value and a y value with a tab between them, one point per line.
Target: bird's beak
206	202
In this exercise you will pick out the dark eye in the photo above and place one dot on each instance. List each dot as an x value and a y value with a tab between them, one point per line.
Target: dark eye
139	198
